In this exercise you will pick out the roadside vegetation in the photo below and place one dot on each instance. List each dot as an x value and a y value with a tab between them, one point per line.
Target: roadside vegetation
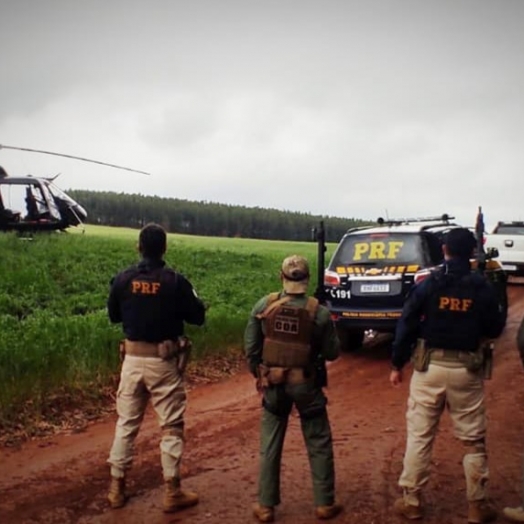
56	343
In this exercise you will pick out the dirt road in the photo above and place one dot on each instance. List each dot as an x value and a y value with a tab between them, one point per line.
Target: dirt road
63	479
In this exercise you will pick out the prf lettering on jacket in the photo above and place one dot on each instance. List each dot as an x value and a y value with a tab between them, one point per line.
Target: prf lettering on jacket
455	304
140	287
377	250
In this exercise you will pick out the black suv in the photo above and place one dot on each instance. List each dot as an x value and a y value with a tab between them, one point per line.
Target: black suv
374	267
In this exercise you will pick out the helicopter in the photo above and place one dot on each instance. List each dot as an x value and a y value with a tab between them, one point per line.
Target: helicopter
42	205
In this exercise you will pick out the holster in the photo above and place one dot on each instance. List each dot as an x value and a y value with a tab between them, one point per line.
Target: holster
487	354
184	345
167	349
421	356
475	360
122	350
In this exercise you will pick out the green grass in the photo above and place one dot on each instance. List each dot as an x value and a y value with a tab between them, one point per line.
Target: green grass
56	337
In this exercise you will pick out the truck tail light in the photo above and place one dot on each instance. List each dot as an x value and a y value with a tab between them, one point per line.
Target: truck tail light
331	278
419	277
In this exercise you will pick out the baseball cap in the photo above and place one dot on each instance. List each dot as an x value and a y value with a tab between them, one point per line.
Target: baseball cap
295	273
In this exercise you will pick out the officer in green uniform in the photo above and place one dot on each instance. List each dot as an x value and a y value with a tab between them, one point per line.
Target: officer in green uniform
285	333
517	514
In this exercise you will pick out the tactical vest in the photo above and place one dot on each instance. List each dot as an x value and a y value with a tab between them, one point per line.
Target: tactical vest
288	332
449	323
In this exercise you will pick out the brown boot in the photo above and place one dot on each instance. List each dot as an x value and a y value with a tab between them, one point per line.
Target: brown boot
514	514
117	492
481	511
176	498
328	512
263	513
406	510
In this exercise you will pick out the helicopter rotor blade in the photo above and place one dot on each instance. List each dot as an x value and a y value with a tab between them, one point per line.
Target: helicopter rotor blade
74	157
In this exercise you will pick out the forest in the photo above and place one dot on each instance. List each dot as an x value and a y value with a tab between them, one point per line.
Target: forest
206	218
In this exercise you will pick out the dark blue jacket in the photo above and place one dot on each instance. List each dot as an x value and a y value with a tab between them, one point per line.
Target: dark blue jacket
153	301
454	308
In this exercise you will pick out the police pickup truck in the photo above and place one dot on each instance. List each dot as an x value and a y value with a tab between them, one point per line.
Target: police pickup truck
508	239
373	268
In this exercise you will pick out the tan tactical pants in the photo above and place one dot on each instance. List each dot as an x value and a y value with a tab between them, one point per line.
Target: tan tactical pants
141	379
463	394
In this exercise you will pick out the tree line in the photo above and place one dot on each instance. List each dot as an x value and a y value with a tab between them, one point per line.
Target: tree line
206	218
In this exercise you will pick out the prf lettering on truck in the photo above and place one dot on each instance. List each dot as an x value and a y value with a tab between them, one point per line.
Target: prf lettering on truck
377	250
141	287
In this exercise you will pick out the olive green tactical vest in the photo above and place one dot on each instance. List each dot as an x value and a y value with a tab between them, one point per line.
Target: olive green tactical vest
288	332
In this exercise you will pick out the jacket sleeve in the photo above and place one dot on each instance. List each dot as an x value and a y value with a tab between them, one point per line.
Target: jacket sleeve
408	325
194	310
254	337
329	341
113	302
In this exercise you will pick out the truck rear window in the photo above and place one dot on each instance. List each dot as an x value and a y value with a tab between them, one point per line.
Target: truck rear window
379	250
509	230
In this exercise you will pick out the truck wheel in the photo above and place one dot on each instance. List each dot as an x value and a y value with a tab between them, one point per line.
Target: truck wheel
350	339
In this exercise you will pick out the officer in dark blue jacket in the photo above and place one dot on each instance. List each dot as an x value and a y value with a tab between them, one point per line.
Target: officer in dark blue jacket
152	302
448	317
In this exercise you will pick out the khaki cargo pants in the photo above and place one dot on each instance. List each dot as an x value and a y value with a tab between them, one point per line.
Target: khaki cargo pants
462	392
141	379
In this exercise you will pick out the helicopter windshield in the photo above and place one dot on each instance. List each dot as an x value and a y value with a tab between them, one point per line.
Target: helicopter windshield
53	209
57	192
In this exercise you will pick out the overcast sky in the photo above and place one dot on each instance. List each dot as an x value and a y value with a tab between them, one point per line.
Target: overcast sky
349	108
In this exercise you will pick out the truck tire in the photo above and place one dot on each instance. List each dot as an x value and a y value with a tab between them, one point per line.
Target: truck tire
350	339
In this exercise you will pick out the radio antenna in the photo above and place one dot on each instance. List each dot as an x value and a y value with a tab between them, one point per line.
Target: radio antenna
73	157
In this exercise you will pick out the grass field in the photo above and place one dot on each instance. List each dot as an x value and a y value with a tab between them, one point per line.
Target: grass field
56	338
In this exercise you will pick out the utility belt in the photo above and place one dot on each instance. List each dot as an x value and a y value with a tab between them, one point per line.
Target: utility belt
477	361
178	349
275	375
139	348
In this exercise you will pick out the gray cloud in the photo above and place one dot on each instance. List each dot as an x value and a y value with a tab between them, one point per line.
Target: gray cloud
342	107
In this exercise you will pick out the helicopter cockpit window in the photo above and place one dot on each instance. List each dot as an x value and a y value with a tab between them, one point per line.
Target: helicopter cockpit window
12	200
49	202
30	202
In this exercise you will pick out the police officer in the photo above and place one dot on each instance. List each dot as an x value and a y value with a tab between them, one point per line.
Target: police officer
517	514
285	333
450	313
152	302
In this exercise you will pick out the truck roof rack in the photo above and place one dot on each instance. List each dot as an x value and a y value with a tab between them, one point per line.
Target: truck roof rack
397	221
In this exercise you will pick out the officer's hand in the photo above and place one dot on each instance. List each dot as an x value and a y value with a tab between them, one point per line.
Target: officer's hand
395	377
259	388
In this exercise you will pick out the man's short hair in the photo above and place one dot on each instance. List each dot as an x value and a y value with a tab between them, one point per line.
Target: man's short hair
152	241
461	242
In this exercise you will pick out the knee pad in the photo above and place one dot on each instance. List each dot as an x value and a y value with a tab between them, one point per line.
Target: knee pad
475	446
174	431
